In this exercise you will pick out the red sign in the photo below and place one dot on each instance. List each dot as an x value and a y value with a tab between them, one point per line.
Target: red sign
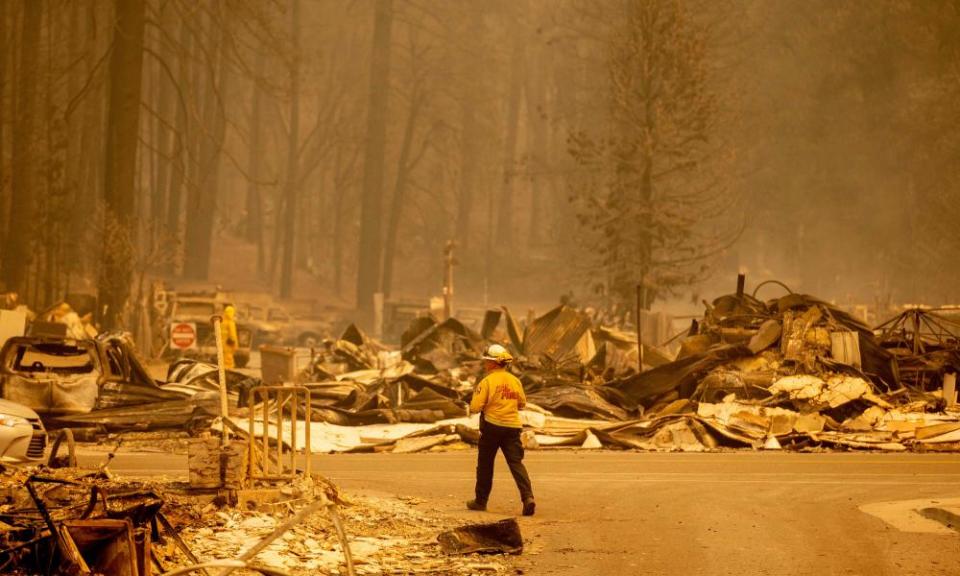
183	335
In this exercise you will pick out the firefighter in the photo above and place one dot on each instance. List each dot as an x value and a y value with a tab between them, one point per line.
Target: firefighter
499	398
228	331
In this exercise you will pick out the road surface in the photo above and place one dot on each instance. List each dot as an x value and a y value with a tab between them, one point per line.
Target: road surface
736	513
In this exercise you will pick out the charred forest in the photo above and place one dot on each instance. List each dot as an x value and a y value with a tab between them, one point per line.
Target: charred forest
333	150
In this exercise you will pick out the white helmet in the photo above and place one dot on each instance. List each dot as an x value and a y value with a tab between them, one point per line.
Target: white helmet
497	353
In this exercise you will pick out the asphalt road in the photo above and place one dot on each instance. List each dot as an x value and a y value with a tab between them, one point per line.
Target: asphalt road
712	514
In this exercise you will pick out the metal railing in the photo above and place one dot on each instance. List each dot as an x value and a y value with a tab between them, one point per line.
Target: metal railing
278	406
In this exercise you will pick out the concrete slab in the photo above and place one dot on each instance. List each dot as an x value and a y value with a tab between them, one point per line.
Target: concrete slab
912	515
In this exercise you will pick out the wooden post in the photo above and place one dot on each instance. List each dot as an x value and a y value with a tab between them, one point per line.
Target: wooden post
950	389
641	303
449	262
224	405
916	331
378	320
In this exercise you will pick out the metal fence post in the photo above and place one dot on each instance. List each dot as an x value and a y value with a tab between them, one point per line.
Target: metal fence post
285	403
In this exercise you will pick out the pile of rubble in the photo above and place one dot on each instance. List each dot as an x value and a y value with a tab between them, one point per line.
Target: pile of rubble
71	521
794	372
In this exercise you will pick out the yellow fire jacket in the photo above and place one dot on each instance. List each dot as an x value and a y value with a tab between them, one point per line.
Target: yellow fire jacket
500	397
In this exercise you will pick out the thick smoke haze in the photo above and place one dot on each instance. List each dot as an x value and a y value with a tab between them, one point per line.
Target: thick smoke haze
329	150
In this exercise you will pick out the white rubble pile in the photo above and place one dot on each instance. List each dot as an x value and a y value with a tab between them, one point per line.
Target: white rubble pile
387	536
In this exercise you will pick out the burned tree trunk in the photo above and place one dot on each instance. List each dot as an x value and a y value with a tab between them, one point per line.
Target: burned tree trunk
472	59
54	203
123	130
537	145
293	163
340	179
254	204
4	74
17	245
368	274
202	200
468	171
404	166
179	151
86	175
163	154
73	168
504	236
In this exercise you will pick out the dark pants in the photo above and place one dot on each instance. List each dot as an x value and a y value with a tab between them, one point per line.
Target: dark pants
493	438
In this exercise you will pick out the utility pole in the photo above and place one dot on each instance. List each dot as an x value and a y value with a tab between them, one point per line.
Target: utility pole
449	263
291	191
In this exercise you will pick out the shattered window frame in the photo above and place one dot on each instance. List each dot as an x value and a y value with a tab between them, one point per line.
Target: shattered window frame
15	358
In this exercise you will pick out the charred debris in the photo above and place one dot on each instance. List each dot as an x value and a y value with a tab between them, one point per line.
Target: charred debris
789	373
792	372
73	521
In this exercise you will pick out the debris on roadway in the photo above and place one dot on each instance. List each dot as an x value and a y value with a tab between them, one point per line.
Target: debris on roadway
792	372
74	521
502	537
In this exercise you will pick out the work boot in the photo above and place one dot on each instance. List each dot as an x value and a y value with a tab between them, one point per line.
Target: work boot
476	505
529	507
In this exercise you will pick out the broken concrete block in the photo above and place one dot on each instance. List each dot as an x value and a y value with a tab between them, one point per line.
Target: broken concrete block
489	538
211	466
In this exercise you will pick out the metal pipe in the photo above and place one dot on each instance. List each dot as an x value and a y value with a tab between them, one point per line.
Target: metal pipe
287	401
279	415
251	438
308	423
293	430
264	401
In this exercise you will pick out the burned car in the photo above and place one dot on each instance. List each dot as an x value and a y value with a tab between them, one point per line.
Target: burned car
52	375
277	326
58	377
22	436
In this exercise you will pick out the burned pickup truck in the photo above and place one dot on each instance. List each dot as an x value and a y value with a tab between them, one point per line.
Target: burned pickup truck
73	382
196	310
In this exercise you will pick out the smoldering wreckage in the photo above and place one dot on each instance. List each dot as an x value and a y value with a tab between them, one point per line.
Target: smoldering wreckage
790	373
